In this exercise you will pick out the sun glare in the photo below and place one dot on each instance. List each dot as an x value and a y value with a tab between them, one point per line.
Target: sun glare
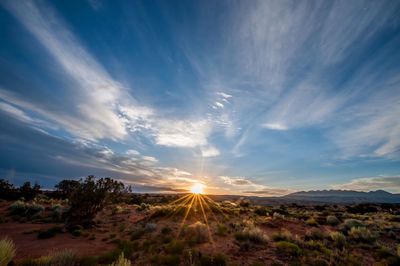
197	188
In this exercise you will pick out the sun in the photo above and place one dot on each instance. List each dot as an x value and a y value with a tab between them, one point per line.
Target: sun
197	188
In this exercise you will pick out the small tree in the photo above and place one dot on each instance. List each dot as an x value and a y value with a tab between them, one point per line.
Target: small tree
7	190
66	187
90	197
29	192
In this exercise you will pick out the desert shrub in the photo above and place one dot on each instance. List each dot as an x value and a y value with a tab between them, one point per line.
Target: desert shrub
278	216
90	197
282	236
166	230
398	250
332	220
361	234
252	234
109	257
28	192
160	211
338	239
62	258
315	234
165	260
150	227
137	233
121	261
311	222
350	223
88	261
288	248
49	233
7	190
219	260
222	229
143	206
7	251
197	232
18	208
262	211
175	247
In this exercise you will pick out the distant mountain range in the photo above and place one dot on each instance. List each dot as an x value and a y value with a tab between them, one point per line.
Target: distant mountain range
344	196
321	197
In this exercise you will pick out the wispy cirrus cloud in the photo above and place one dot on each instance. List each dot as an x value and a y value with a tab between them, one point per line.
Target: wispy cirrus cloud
105	108
389	183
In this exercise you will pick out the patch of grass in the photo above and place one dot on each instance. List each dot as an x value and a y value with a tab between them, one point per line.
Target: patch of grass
252	234
339	240
282	236
315	234
121	261
58	258
222	229
361	234
165	260
166	230
197	233
137	233
89	261
261	211
175	247
7	251
288	248
311	222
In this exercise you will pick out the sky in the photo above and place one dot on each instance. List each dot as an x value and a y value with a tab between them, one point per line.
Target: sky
258	98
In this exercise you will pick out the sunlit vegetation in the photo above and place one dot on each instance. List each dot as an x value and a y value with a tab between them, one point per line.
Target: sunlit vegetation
116	227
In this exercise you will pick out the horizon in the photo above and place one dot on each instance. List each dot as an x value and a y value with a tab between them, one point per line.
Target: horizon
255	98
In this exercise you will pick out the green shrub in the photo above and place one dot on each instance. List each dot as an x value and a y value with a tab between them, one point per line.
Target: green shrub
282	236
311	222
253	234
332	220
398	250
350	223
338	239
89	261
197	232
166	230
222	229
315	234
288	248
7	251
262	211
175	247
121	261
49	233
62	258
165	260
76	232
361	234
18	208
137	233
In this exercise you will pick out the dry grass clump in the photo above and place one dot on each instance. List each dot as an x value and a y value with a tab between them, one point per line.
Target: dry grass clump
197	233
7	251
338	239
350	223
121	261
287	248
311	222
282	236
58	258
361	234
253	234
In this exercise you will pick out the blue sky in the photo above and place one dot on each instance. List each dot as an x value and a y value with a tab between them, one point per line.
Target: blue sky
247	97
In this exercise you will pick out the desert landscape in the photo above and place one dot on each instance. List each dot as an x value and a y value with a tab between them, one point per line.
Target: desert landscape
189	229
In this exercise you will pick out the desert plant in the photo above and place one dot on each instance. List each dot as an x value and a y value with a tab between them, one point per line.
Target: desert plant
7	251
361	234
315	234
398	250
121	261
312	222
288	248
62	258
49	233
350	223
175	247
197	232
332	220
338	239
222	229
253	234
90	197
282	236
18	208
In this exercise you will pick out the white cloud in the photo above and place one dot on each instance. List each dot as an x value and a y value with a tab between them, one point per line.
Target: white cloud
209	151
275	126
224	95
